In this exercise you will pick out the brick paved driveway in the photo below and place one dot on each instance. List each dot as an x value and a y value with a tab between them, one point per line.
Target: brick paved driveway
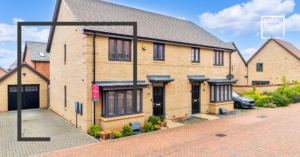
246	135
38	123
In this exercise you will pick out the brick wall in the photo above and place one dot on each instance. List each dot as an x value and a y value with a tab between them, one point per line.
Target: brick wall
259	88
30	78
239	69
28	60
2	72
276	63
71	74
43	68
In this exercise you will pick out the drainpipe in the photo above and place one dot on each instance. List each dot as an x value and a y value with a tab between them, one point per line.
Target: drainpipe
94	58
230	65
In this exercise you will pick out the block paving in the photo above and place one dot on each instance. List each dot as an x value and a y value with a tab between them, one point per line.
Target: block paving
246	135
39	123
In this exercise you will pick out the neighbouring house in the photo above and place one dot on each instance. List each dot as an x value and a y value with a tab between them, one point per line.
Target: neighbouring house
181	69
36	56
14	63
274	59
3	71
238	66
34	89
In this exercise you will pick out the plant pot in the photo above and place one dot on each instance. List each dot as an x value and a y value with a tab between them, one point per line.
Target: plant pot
105	135
162	124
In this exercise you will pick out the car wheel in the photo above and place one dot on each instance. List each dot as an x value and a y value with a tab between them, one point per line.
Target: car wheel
237	105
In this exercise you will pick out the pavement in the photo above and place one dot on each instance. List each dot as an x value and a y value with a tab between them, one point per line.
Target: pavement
39	123
267	132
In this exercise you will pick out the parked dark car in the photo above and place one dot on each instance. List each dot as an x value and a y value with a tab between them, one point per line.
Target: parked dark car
241	101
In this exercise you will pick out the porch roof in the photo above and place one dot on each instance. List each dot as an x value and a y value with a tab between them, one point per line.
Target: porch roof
196	78
160	78
221	81
119	85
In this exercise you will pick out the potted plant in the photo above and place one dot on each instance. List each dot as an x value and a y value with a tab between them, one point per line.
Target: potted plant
162	123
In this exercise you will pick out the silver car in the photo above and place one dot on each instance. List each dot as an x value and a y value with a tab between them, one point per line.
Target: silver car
242	101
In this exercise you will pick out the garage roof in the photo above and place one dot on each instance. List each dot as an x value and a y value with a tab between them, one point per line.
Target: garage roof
1	67
29	67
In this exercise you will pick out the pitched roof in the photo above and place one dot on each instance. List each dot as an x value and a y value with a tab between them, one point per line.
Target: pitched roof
2	68
286	45
14	63
22	65
35	49
232	43
150	25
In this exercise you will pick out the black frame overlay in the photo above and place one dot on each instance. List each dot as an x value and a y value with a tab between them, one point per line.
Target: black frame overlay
20	24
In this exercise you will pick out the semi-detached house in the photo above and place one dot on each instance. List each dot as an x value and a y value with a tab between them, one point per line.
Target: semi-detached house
181	69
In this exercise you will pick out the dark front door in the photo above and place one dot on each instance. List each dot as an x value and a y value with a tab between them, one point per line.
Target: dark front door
30	97
158	97
195	99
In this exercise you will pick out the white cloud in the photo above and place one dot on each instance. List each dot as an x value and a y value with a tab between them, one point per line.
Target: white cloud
6	62
3	44
8	33
4	51
246	17
16	20
247	53
292	23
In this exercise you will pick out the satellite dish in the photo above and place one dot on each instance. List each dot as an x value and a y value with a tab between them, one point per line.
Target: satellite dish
230	76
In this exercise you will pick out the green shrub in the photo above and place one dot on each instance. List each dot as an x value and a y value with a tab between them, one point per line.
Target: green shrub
156	127
97	134
93	129
162	118
277	99
117	134
287	91
154	120
260	100
127	130
148	127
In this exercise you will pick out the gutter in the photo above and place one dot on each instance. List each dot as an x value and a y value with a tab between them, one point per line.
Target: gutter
94	80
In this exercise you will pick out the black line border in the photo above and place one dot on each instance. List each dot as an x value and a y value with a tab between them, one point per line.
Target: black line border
20	24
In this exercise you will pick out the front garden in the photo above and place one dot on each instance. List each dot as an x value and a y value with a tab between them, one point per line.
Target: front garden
282	96
154	123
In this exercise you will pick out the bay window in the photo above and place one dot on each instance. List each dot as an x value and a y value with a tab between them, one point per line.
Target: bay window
220	93
120	102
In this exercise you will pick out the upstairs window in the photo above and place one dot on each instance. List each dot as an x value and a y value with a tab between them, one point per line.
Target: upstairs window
195	55
158	52
218	58
259	67
119	50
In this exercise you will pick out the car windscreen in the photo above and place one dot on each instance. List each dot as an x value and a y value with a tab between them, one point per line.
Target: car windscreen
234	94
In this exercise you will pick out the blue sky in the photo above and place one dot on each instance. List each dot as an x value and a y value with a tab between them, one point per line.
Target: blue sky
234	20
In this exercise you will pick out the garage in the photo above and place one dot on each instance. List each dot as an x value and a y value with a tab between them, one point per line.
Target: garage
30	97
34	90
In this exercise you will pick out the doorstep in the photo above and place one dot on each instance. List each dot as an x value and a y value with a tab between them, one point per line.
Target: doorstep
172	124
207	116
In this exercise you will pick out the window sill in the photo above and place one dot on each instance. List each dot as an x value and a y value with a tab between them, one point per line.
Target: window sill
122	117
120	60
218	65
158	61
221	103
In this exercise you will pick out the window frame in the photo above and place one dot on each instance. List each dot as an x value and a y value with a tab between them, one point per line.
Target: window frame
217	59
262	67
105	109
157	59
228	93
65	96
194	59
261	82
65	54
116	50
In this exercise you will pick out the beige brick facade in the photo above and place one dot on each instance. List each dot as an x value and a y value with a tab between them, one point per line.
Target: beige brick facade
277	62
77	74
31	78
238	67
